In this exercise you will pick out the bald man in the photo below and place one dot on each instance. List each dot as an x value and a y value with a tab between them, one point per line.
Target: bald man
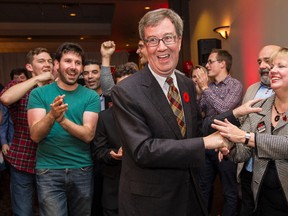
260	89
264	68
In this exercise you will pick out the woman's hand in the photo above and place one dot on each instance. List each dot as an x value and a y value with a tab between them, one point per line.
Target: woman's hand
229	131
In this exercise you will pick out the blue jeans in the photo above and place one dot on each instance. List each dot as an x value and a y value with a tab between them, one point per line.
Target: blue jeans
63	192
22	186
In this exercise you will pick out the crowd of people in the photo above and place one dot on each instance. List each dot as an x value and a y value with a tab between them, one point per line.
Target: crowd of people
151	144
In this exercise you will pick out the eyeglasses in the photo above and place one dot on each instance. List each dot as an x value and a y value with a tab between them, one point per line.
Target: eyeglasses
211	62
154	41
140	46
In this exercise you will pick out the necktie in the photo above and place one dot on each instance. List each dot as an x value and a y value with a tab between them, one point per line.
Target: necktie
175	103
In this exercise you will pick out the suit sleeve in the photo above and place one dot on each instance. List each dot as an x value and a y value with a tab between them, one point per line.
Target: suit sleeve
240	152
273	147
101	148
206	127
6	126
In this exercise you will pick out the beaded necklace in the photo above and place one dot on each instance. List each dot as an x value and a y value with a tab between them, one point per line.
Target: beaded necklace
277	117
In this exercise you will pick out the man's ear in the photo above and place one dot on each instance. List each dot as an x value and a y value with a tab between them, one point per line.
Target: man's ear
56	65
180	38
223	64
29	67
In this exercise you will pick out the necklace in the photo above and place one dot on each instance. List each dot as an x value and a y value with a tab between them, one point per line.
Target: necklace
277	117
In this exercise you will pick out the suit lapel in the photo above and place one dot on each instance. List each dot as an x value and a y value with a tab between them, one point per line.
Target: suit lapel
155	94
264	115
281	123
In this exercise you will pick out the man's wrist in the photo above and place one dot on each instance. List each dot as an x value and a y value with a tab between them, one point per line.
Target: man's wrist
50	116
106	61
204	88
60	119
236	113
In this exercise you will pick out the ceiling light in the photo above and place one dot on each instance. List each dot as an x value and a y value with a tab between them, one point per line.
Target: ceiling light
224	31
147	8
29	38
73	14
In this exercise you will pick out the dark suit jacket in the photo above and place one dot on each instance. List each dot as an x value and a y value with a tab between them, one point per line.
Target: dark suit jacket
158	164
107	139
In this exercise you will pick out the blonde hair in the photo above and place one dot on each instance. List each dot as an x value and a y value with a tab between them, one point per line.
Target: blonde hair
282	52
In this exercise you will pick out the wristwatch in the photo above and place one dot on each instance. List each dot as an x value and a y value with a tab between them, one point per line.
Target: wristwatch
247	138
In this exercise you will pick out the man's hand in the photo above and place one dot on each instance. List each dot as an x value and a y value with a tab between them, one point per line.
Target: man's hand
107	48
5	149
44	78
202	79
215	141
58	108
118	155
247	108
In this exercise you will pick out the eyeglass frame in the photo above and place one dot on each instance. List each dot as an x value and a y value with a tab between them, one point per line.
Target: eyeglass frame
161	39
210	62
140	46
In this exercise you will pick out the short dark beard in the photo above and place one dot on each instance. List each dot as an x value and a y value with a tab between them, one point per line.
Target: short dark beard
63	79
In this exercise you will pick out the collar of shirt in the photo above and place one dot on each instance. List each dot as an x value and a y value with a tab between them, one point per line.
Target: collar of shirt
223	81
264	85
162	80
264	92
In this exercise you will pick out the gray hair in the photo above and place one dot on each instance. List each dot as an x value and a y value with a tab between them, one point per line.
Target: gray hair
153	18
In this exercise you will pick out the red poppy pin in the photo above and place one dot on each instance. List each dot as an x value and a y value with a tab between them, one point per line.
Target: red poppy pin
186	97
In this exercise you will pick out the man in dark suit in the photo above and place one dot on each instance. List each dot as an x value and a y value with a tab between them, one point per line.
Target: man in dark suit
107	150
159	163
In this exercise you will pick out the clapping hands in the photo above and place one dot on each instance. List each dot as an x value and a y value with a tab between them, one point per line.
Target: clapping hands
58	108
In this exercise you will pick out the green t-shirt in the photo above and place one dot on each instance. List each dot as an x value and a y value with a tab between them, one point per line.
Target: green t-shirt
60	149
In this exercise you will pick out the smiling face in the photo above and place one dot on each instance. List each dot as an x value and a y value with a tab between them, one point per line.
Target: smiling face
69	68
162	58
279	72
91	76
264	62
41	63
214	66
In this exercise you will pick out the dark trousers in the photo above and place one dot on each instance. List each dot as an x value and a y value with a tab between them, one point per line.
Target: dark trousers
110	212
227	174
98	182
247	201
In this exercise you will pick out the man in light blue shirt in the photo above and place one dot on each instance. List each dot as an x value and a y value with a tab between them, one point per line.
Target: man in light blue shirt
260	89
